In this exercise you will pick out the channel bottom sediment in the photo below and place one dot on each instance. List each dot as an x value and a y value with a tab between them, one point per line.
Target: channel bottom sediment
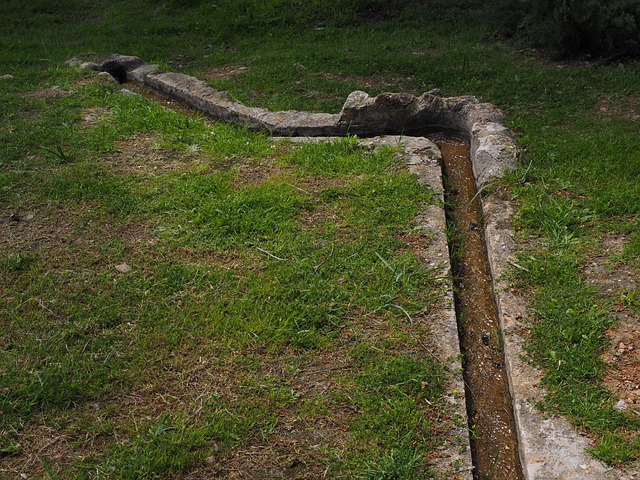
493	433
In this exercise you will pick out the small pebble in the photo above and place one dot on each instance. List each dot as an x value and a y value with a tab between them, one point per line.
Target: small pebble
123	268
620	406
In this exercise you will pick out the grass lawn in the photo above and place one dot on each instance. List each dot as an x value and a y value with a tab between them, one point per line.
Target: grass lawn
182	297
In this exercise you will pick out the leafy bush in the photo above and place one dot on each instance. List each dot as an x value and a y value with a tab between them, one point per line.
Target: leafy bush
574	27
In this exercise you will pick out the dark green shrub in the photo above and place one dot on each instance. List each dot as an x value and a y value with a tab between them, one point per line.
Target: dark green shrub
574	27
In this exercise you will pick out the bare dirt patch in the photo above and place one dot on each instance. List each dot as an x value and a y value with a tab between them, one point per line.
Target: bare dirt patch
328	214
225	71
616	281
93	115
322	217
30	228
180	384
52	92
96	78
301	442
539	58
182	61
316	185
228	260
627	107
253	173
297	450
623	378
60	233
142	154
44	447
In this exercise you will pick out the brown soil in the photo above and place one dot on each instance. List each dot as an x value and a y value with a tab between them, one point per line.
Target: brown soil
616	282
225	71
298	446
42	444
28	228
182	61
182	382
95	79
253	173
93	115
142	154
52	92
65	237
626	107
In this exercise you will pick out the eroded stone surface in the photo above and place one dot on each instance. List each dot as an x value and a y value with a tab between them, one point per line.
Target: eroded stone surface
403	112
492	151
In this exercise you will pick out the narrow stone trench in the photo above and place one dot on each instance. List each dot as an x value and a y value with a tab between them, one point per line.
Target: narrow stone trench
493	436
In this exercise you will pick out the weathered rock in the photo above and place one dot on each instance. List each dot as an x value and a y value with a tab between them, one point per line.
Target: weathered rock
492	151
201	96
119	66
123	68
492	148
400	112
123	268
130	62
138	74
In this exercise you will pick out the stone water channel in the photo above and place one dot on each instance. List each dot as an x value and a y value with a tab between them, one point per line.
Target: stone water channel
509	438
493	438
